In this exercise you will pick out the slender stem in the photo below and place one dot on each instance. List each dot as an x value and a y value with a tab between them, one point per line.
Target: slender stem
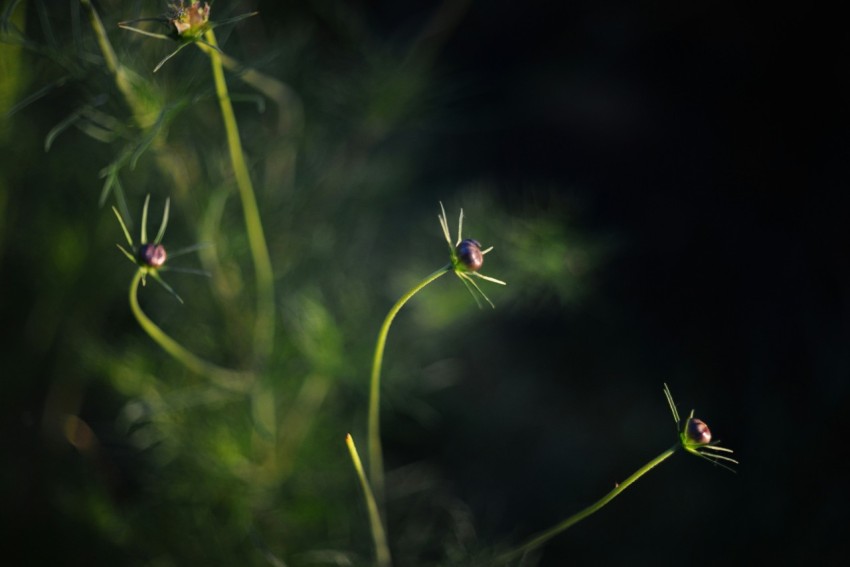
265	318
123	79
595	507
225	377
376	459
382	550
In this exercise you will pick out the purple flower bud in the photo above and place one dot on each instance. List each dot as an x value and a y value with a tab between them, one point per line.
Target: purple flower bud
152	255
697	432
469	253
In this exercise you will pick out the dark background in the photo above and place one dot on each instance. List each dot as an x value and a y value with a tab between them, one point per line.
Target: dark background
693	154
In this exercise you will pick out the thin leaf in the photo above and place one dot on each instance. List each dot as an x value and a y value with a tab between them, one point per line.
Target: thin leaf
232	20
124	26
124	228
129	256
208	44
721	457
121	199
444	224
45	25
672	405
167	287
714	447
713	459
145	219
192	271
169	56
97	124
96	131
61	127
488	278
111	179
164	224
187	249
36	95
478	289
110	172
103	120
470	289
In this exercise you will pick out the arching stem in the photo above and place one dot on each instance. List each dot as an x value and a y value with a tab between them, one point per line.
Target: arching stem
376	459
545	536
224	377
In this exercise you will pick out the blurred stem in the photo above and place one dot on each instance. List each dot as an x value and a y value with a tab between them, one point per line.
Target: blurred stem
224	377
123	79
297	420
382	550
376	458
265	317
542	538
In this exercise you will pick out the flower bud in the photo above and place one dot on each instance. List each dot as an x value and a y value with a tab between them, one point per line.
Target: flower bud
469	253
697	432
152	255
190	21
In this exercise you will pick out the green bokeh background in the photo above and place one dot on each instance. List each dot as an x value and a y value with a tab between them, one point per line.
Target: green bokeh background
665	189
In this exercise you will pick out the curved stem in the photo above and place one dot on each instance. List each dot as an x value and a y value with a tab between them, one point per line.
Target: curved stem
224	377
376	459
265	317
595	507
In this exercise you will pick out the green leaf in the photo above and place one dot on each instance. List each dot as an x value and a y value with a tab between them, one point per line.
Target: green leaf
63	125
145	219
167	287
124	228
164	224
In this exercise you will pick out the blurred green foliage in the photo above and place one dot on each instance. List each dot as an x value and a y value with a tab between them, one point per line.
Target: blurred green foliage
122	456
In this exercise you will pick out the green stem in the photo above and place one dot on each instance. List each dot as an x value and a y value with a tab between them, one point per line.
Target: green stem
376	459
265	318
382	550
224	377
595	507
123	79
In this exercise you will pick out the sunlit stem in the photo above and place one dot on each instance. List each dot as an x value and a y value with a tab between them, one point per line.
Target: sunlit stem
376	458
265	316
224	377
543	537
379	535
